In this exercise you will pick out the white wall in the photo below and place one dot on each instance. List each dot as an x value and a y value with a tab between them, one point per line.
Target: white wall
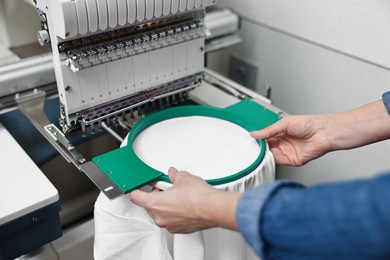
313	74
356	27
19	23
3	26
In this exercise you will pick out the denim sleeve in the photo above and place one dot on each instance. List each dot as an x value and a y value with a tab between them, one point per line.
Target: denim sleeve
386	100
349	220
250	209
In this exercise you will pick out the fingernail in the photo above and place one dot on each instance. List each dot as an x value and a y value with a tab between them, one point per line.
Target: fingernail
172	170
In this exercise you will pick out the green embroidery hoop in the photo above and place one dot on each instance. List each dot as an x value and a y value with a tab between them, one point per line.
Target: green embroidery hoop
129	172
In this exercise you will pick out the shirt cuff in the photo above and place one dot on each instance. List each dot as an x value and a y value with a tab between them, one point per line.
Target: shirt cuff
386	100
249	213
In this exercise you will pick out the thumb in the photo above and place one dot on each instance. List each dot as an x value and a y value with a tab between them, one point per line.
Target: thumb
270	131
175	176
139	197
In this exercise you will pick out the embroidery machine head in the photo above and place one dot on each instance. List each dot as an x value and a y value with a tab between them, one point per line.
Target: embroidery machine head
112	59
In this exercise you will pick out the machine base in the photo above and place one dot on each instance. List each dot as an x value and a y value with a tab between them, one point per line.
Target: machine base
29	232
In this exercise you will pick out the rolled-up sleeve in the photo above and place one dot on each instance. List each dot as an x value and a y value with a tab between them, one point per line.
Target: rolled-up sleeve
249	212
348	220
386	100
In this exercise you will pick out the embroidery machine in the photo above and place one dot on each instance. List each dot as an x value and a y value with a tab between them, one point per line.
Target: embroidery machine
114	63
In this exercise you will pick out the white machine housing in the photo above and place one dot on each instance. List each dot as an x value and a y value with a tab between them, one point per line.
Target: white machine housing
110	56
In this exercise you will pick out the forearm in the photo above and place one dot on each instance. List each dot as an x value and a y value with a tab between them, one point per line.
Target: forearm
219	209
357	127
347	220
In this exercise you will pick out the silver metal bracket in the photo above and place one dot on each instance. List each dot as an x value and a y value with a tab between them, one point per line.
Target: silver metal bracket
58	136
99	178
31	105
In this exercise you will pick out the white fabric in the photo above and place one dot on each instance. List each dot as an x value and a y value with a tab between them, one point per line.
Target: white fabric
125	231
204	146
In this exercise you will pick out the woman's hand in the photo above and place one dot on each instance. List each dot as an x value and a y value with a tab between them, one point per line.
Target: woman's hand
190	205
296	140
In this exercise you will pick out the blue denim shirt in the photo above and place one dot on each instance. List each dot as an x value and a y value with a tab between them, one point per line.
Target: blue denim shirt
349	220
386	100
